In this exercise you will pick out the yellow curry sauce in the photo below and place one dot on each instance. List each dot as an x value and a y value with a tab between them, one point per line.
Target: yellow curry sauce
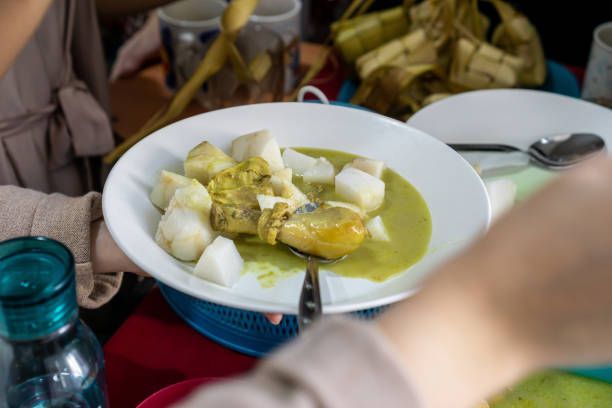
404	213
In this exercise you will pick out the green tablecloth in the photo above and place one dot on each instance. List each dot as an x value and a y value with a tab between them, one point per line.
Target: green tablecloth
551	389
555	389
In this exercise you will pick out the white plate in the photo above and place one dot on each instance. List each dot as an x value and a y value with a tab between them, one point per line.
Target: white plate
512	116
454	194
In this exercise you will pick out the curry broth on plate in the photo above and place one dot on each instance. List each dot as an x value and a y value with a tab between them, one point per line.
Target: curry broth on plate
404	213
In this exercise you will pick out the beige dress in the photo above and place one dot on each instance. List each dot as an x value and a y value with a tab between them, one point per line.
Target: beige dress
53	126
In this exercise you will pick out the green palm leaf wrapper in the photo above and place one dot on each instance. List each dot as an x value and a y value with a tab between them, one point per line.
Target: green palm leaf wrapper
409	56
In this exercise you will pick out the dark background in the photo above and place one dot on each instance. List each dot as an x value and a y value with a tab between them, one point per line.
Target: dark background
566	27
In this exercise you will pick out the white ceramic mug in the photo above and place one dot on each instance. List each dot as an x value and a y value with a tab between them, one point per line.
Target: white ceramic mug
188	27
597	85
284	18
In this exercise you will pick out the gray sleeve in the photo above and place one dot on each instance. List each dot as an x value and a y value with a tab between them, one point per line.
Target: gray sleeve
338	363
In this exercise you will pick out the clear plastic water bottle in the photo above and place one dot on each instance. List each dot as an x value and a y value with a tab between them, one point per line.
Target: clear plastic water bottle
48	357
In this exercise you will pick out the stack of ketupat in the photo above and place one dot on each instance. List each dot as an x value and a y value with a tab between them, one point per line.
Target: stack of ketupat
412	55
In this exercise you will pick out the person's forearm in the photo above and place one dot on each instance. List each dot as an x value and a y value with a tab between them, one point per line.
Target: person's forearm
455	352
110	8
106	256
18	21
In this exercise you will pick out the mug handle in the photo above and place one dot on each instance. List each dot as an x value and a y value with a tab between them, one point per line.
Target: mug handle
312	90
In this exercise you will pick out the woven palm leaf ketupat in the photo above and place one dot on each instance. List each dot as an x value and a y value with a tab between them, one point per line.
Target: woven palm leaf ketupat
443	47
411	49
517	36
357	36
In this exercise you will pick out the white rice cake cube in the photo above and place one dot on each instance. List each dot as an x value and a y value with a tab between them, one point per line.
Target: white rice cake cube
377	229
360	188
322	172
258	144
280	178
268	201
220	263
184	230
184	233
166	186
372	167
297	161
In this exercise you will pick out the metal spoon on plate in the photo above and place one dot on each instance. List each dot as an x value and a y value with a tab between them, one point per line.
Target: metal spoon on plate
310	307
556	152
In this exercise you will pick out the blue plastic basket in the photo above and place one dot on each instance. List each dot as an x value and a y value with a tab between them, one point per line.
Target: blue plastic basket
247	332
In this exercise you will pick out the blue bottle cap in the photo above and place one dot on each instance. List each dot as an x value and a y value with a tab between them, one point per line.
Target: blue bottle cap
37	288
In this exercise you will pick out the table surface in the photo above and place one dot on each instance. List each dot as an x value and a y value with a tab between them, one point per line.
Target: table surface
154	348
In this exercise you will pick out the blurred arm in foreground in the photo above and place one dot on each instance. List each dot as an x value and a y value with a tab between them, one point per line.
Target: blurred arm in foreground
533	293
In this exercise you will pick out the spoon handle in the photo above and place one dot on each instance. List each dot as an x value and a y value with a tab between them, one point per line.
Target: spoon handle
483	147
310	298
